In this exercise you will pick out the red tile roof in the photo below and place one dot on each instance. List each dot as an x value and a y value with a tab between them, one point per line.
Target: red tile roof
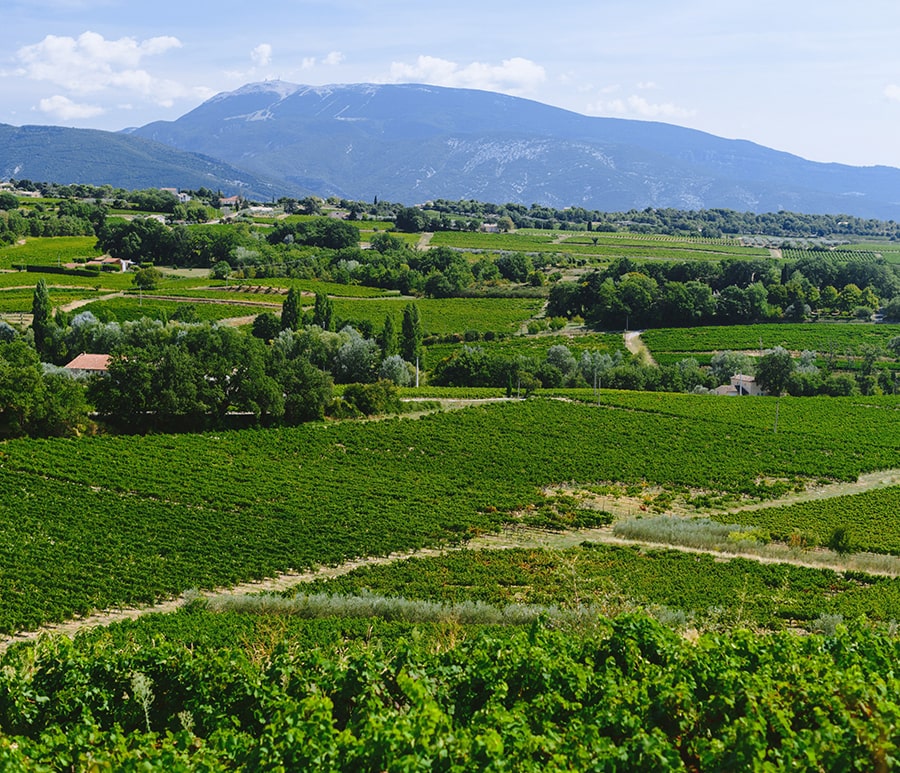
98	362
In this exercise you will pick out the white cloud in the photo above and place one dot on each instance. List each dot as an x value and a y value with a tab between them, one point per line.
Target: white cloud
647	86
638	107
308	63
516	75
262	55
892	92
334	58
65	109
90	64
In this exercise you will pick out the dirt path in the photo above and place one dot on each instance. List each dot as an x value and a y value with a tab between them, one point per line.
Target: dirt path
85	301
424	241
521	537
636	346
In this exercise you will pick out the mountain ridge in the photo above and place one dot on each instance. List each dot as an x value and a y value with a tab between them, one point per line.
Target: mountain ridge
412	143
435	142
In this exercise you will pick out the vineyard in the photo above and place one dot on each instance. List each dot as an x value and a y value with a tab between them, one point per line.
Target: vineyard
602	246
246	289
129	521
822	337
581	580
331	695
135	307
832	256
699	590
865	521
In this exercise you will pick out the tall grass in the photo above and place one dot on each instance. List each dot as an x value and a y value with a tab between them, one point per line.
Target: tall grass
370	605
735	539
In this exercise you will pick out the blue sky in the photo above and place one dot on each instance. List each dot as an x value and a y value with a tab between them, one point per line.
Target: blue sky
818	79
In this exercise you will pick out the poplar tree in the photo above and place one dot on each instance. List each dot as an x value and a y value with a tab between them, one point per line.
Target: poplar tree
323	312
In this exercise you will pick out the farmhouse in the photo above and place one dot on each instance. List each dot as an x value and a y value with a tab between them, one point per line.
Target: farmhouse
184	198
741	384
89	364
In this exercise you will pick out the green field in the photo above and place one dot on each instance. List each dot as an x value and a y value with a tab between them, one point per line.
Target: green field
868	521
606	580
106	280
48	251
19	300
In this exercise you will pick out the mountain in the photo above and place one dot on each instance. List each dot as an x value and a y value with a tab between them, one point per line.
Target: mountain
412	143
56	154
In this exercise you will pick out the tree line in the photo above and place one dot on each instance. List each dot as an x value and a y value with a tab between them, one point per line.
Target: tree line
190	376
626	294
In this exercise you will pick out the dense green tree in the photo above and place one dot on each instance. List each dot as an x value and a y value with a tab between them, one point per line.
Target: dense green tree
147	278
724	365
140	240
410	220
307	390
20	382
514	266
373	399
773	370
266	326
35	403
220	270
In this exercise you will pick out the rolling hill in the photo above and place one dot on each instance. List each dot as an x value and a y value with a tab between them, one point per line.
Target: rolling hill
63	155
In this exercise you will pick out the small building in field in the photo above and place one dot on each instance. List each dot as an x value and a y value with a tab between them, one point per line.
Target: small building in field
89	364
740	385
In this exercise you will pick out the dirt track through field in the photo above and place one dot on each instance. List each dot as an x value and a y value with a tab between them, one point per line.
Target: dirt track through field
508	538
635	344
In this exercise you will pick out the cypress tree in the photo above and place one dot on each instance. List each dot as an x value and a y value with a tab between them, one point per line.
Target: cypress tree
389	344
42	316
291	311
411	333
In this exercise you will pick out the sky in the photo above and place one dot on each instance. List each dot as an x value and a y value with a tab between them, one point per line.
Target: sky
818	79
